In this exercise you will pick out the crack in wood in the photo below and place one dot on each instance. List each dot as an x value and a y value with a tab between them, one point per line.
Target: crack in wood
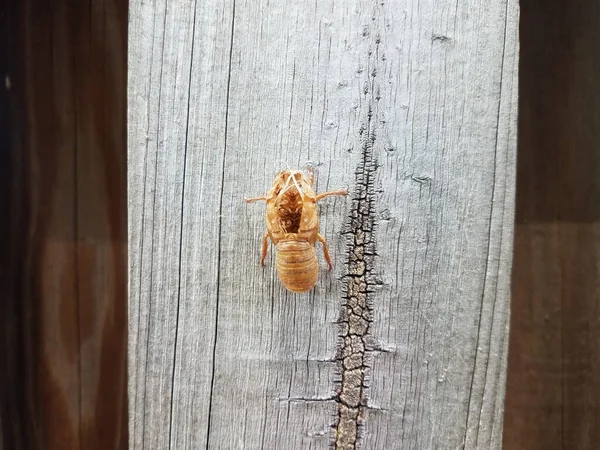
356	314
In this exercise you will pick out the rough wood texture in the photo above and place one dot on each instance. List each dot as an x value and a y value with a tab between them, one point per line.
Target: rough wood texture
410	105
553	390
67	298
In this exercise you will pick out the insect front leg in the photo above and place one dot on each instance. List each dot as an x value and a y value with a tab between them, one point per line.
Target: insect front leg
265	248
255	199
327	194
321	239
311	175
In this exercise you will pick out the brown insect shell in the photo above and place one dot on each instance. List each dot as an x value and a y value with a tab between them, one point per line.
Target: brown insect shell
309	219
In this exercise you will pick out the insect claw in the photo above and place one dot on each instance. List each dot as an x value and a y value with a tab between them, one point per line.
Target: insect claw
265	248
255	199
311	174
327	194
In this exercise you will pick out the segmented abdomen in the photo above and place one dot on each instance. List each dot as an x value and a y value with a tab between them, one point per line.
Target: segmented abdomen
297	265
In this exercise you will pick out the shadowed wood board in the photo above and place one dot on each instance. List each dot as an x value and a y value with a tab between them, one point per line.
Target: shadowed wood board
410	105
63	270
553	383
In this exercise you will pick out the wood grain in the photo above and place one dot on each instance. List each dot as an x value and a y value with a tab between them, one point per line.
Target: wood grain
553	388
413	107
13	420
68	258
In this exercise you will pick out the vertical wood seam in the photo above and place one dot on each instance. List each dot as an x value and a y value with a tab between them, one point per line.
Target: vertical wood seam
219	248
76	247
153	230
489	249
141	249
181	220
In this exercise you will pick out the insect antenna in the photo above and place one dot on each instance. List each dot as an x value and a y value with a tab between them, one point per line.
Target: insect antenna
292	173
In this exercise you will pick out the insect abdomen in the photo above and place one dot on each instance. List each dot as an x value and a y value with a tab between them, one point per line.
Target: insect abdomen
297	265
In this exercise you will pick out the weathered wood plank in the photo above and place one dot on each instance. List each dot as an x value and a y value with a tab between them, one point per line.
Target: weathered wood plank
444	236
67	297
411	106
553	386
179	63
275	352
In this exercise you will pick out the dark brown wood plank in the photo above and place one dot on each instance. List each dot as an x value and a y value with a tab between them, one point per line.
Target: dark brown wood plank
13	401
553	387
70	152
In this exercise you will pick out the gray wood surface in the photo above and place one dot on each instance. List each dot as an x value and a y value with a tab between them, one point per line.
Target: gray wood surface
410	105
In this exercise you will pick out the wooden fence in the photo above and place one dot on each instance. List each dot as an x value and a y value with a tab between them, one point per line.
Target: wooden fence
553	389
65	271
412	106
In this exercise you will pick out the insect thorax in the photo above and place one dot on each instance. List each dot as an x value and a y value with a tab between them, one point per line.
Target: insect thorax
289	211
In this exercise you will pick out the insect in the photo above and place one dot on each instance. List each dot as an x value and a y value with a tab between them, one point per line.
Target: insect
293	226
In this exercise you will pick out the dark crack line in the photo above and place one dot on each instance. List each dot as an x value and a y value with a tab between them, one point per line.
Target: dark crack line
356	314
181	219
219	252
152	241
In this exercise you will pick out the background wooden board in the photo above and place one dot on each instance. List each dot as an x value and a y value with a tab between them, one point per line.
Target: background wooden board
552	383
553	389
65	314
413	107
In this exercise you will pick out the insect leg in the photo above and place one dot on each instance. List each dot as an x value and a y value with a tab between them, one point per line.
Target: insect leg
327	194
321	239
311	175
255	199
265	247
